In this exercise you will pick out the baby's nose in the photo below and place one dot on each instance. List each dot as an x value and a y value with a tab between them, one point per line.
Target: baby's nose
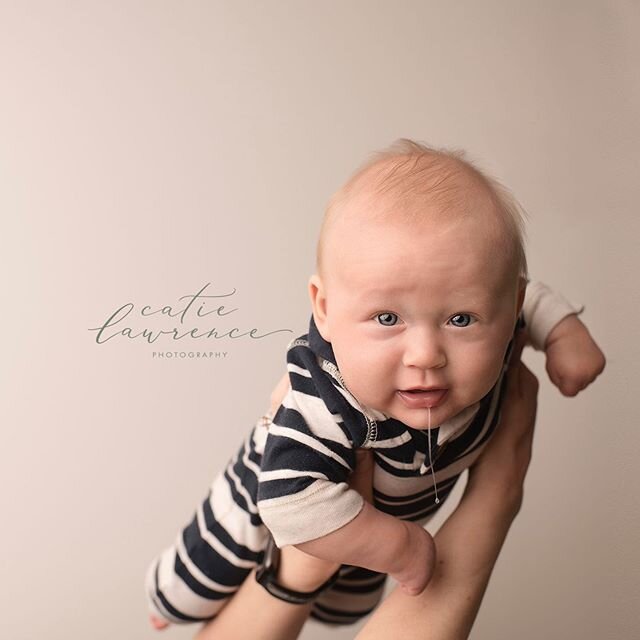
425	352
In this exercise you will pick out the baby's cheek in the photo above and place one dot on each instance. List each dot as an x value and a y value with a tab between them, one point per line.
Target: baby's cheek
361	379
478	378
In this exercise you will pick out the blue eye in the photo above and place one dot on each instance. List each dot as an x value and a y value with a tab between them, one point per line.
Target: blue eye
463	316
387	319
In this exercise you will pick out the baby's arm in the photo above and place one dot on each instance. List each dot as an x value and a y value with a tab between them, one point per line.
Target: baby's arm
573	359
353	543
304	499
543	309
381	542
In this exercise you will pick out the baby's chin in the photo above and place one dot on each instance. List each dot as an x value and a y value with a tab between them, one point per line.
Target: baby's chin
421	420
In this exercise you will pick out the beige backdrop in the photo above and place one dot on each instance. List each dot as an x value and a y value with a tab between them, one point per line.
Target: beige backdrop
151	147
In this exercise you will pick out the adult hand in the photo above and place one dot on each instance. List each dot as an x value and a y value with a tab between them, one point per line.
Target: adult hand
502	467
470	540
278	394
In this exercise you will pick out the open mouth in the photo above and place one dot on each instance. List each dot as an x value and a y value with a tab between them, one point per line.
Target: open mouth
422	399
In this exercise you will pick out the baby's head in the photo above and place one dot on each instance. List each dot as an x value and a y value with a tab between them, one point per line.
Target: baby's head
420	277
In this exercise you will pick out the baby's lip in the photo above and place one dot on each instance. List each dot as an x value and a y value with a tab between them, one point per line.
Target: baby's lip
422	397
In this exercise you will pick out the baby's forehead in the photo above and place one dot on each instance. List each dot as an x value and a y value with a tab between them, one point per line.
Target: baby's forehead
374	252
374	215
402	286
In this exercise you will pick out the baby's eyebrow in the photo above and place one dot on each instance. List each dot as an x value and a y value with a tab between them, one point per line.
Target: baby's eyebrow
478	296
381	291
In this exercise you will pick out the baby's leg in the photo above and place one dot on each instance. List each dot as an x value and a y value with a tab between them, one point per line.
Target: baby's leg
354	595
194	579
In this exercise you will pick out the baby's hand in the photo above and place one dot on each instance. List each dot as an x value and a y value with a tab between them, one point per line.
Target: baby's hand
574	360
418	565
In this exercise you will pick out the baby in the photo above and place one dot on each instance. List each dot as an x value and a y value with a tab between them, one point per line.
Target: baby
420	285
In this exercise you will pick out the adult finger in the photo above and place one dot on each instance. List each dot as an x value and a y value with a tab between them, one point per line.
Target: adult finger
515	364
278	394
506	456
519	341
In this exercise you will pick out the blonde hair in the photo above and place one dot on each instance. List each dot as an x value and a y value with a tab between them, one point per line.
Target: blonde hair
412	174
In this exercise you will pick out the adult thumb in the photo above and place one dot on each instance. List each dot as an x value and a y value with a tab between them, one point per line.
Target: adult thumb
520	339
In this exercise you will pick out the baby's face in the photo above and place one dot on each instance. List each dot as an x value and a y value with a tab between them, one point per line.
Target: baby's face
431	305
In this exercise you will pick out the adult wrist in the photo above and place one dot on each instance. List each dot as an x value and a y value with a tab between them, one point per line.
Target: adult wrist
294	590
300	573
501	500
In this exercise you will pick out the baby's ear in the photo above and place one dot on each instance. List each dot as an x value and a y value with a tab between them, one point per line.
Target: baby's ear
318	298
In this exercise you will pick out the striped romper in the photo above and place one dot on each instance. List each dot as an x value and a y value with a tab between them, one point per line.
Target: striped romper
290	478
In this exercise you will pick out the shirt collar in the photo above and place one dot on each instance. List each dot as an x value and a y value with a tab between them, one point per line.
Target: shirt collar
318	344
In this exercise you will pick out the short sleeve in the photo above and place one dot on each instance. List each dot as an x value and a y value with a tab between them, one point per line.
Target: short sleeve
308	457
543	308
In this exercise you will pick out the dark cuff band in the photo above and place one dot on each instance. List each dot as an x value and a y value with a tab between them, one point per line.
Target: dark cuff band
266	576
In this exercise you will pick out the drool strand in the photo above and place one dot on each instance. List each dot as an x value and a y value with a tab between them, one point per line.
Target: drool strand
433	475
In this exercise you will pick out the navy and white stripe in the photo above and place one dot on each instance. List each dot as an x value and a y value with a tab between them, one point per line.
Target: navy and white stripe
291	475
